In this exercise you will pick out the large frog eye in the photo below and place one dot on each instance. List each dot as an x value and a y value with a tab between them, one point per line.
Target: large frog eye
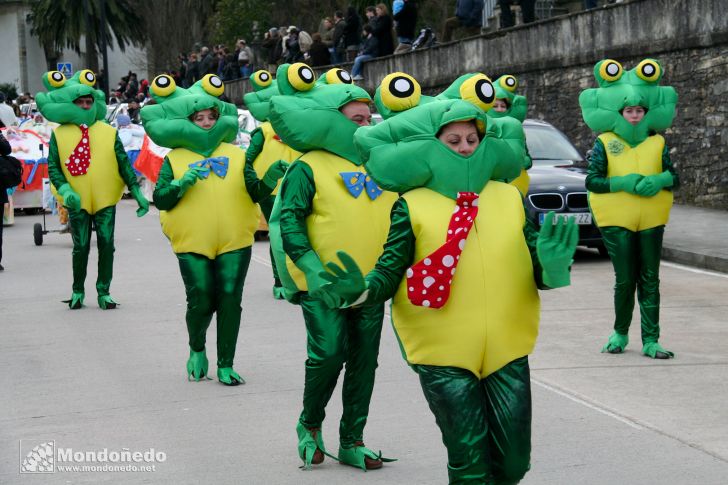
213	85
649	70
262	78
509	83
610	70
56	79
338	76
301	77
163	85
478	90
87	77
400	91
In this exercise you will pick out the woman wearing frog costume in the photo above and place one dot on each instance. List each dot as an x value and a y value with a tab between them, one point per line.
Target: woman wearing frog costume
462	264
88	167
326	202
206	195
266	147
630	182
507	103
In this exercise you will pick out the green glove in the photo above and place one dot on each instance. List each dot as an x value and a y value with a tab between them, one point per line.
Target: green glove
190	178
625	183
274	172
652	184
312	268
136	192
71	199
555	247
347	284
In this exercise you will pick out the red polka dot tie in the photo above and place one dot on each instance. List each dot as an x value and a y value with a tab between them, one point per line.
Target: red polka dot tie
80	159
429	280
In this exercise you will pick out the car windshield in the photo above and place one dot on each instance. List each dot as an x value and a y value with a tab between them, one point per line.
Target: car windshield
546	144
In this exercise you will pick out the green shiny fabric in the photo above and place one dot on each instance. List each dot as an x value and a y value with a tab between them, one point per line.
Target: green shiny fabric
81	229
215	286
334	338
57	177
266	206
596	177
636	260
485	424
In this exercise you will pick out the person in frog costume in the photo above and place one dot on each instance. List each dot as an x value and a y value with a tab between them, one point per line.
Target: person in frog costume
327	201
462	263
266	147
88	167
206	195
630	181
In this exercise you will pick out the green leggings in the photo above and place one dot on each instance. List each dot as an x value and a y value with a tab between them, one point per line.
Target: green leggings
636	260
266	206
215	285
82	224
336	337
485	424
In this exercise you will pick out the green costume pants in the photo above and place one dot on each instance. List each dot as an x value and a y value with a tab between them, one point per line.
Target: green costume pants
266	206
215	285
336	337
485	424
636	260
82	224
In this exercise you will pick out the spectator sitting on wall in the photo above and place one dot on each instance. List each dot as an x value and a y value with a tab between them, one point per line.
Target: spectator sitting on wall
527	12
405	20
369	50
319	54
469	15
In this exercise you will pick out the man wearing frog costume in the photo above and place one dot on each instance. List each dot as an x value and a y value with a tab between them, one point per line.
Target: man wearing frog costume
462	263
326	202
505	87
266	147
630	181
88	167
206	195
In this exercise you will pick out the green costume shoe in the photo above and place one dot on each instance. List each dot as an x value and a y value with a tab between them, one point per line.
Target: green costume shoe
278	293
76	301
616	344
655	350
229	377
311	447
197	365
106	302
362	457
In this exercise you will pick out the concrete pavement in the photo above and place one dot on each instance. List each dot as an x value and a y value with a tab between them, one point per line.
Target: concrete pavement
697	237
90	379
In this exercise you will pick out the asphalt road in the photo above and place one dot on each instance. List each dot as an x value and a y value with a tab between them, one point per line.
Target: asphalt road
91	380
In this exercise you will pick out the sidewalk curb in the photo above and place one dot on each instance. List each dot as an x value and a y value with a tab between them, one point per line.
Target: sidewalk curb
703	261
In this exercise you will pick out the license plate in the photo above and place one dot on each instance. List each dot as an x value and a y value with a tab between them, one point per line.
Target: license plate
581	218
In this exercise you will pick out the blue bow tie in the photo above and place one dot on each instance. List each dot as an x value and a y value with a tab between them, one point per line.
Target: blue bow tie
356	182
219	165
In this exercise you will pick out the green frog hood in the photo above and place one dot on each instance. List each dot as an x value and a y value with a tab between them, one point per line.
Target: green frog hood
258	101
505	88
306	116
602	107
57	104
168	121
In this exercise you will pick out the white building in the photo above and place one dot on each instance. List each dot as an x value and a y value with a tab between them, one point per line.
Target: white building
23	62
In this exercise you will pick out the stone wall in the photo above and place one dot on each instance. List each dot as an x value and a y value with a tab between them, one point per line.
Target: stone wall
553	60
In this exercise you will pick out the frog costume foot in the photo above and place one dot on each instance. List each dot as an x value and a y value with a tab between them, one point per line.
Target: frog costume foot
197	365
311	447
362	457
106	302
278	293
616	344
76	301
655	351
229	377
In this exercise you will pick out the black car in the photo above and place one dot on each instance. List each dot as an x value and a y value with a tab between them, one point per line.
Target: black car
558	181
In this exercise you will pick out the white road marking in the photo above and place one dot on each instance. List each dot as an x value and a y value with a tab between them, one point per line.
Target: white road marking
590	404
